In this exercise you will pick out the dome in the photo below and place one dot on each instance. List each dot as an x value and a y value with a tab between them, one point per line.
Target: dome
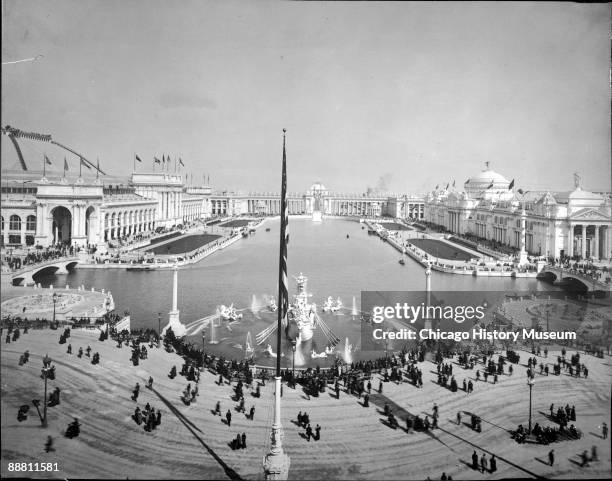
317	186
487	183
487	176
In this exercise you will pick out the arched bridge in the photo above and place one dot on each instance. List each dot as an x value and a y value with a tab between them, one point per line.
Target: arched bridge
25	276
591	283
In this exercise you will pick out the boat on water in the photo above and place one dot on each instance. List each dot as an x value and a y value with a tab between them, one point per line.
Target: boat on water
139	268
402	261
267	229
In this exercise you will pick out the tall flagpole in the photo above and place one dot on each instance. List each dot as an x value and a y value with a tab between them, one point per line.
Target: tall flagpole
276	462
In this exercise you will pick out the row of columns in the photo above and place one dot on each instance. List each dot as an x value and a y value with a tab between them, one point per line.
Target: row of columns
170	205
124	223
595	242
453	221
192	211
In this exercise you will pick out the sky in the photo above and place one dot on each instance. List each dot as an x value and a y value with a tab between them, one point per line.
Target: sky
395	96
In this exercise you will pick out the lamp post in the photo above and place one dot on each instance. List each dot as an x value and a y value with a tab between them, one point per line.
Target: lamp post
54	302
530	383
293	346
158	326
45	373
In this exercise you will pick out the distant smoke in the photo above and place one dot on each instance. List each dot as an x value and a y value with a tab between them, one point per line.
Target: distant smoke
382	185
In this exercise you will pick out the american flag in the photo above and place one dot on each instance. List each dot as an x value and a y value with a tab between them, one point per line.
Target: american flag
284	239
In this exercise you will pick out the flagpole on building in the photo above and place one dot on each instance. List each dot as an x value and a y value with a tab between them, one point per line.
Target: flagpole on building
80	167
44	165
276	462
97	167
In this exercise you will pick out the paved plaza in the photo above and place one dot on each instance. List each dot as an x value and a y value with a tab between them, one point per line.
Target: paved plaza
356	442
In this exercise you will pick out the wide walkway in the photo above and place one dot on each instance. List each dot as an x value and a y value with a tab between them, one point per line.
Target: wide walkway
192	443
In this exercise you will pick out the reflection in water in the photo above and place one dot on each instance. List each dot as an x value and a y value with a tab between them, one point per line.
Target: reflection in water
246	273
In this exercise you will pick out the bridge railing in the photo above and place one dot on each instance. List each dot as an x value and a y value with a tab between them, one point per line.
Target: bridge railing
30	267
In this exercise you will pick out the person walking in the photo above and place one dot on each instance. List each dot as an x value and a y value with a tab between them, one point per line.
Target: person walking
604	430
228	418
474	460
458	418
551	457
493	464
483	463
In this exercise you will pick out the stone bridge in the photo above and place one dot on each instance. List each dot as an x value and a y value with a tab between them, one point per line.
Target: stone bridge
591	283
25	276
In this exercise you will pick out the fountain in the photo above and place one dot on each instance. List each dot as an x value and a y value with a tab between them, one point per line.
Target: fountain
213	340
255	306
299	357
248	346
348	355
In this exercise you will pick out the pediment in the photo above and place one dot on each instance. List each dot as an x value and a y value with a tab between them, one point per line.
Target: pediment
590	214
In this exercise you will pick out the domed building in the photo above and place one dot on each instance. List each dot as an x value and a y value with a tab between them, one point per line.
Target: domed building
488	184
503	222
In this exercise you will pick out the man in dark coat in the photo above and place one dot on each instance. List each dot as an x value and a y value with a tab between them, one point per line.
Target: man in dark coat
243	441
228	417
474	460
308	432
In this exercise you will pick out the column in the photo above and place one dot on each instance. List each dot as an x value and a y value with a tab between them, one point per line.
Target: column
583	247
595	244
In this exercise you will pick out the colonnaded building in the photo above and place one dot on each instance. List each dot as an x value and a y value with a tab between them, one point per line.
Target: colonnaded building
557	224
87	211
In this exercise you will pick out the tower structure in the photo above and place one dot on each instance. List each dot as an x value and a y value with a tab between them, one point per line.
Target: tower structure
173	318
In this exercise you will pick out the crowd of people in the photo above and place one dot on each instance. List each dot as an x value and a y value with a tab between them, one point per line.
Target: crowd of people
34	256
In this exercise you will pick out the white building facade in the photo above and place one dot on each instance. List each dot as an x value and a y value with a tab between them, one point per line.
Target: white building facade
572	224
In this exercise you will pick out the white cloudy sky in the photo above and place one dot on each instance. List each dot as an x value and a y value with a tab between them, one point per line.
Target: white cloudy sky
415	94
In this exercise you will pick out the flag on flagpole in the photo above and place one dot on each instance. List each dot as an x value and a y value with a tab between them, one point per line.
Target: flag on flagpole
453	182
138	158
490	185
46	162
511	185
447	184
156	160
65	166
283	287
181	162
97	167
438	185
164	159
